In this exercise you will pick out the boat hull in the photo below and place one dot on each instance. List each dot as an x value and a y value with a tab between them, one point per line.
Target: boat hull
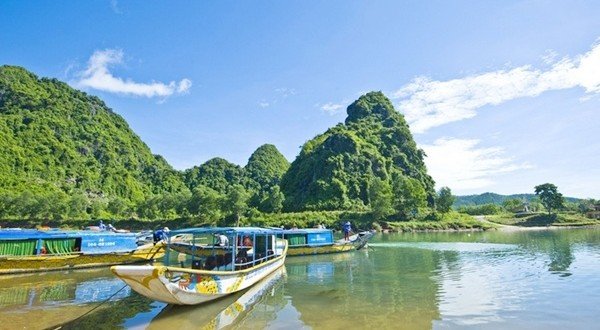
326	249
184	286
43	263
355	242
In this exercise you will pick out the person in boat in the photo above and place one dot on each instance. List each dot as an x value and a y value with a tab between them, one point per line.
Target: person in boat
247	241
347	228
161	235
101	225
221	240
111	227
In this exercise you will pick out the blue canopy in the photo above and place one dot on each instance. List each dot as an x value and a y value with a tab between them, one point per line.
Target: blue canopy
225	230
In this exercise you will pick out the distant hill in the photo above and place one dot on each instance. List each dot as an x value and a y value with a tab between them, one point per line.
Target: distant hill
492	198
58	141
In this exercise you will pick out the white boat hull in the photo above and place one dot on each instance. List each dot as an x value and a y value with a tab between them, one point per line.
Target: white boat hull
184	286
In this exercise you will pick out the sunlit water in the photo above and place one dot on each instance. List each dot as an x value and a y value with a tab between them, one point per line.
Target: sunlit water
492	280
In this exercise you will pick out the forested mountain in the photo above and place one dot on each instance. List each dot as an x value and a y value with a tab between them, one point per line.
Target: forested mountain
336	169
65	154
266	166
59	142
217	174
497	199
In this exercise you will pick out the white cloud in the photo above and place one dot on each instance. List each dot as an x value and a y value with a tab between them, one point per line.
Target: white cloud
332	108
98	76
264	104
429	103
285	92
461	165
114	6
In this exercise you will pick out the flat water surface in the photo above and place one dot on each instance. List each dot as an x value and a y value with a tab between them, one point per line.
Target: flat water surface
483	280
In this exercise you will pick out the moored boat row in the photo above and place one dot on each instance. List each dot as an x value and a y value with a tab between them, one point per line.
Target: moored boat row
29	250
200	264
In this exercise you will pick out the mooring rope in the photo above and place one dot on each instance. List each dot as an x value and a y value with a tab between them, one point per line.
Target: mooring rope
88	312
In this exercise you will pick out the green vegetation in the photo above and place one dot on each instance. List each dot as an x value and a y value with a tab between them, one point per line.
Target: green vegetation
497	199
550	197
335	169
64	153
541	220
518	212
449	221
66	159
444	200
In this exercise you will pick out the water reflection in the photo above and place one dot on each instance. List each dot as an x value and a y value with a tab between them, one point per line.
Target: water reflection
491	280
380	288
231	311
58	288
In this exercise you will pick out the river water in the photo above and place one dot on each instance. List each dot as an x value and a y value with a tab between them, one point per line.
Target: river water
483	280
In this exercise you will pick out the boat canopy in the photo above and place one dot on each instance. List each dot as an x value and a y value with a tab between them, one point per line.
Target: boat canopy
21	234
303	231
36	242
226	230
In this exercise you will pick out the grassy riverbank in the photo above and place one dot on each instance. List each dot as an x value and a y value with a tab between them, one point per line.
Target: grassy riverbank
449	221
331	219
542	220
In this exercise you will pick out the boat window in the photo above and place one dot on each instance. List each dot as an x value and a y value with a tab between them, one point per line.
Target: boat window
201	251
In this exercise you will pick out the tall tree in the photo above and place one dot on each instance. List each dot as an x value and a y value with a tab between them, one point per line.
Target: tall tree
236	202
273	203
444	200
550	197
206	204
380	196
409	196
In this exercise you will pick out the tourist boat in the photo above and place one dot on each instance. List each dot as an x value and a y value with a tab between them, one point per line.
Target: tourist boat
320	241
216	271
30	250
227	313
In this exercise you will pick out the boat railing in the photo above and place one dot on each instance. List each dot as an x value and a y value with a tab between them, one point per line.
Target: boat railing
311	244
250	261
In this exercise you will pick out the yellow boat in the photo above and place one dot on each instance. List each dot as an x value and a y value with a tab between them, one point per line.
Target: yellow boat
27	250
320	241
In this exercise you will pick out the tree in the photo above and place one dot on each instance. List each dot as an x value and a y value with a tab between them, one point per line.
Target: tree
274	201
513	205
117	207
380	196
236	202
409	195
205	203
549	197
444	200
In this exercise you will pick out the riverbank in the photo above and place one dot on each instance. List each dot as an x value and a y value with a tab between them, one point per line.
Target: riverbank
538	221
451	221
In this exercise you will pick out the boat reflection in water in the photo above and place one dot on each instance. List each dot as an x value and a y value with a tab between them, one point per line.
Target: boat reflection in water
59	288
42	300
230	311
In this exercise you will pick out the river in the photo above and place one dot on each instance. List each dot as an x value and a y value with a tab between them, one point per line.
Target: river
546	279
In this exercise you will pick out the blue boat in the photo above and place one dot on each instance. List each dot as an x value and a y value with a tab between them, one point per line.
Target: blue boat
321	241
30	250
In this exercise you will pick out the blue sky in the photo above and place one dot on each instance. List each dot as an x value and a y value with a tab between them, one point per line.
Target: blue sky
502	95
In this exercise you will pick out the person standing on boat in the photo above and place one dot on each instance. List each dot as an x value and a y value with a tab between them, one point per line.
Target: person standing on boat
222	240
161	235
102	226
347	228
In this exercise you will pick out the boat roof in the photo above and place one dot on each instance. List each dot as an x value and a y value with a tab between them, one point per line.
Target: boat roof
225	230
305	231
20	234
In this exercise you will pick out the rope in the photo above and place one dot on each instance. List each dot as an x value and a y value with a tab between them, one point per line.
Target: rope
91	310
